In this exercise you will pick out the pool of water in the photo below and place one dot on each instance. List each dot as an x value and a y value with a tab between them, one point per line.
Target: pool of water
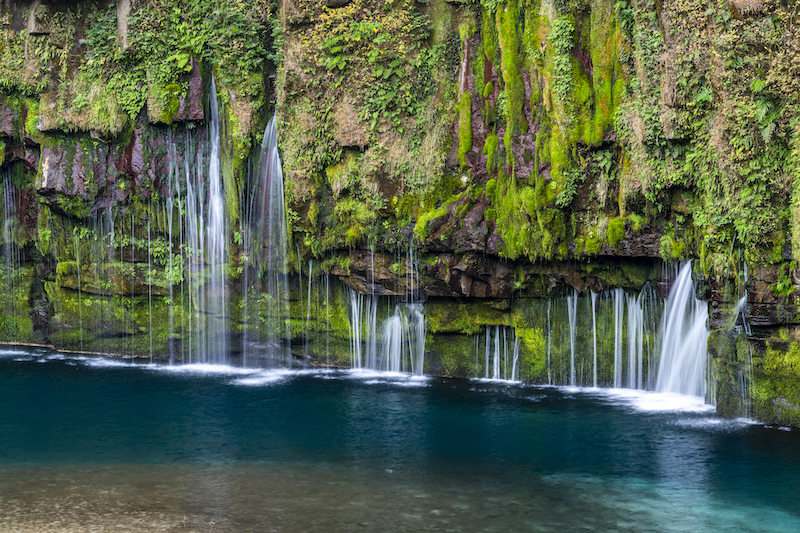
93	444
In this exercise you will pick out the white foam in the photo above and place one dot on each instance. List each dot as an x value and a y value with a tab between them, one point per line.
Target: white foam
204	368
498	381
101	362
656	401
713	423
375	377
266	377
13	353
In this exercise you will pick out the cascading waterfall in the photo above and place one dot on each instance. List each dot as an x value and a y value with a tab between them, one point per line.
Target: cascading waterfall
618	297
572	313
393	341
495	353
400	346
684	335
355	310
10	251
515	360
611	340
745	374
549	343
194	214
217	249
635	341
265	246
594	338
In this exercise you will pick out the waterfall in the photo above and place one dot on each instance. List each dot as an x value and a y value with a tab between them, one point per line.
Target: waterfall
572	309
594	338
416	332
393	341
265	247
496	360
635	340
371	324
515	361
11	253
549	340
618	297
217	248
496	354
398	345
355	327
684	336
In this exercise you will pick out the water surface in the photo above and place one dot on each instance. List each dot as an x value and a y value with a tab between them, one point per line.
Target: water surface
90	444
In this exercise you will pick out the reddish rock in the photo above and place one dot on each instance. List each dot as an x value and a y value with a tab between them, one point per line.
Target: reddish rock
6	120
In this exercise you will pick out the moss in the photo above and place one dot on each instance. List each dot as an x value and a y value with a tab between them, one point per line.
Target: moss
450	355
32	118
533	354
463	317
464	128
559	157
637	221
490	188
425	217
16	289
671	248
44	225
776	384
616	231
489	36
529	226
593	243
511	65
74	206
490	149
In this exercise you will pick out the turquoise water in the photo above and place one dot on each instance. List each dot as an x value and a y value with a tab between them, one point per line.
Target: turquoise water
114	446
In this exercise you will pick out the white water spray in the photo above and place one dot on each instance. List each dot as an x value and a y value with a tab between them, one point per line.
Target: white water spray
684	337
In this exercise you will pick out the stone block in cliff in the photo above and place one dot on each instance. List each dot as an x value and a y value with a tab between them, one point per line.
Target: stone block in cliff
6	119
377	273
133	160
482	277
62	170
472	236
643	243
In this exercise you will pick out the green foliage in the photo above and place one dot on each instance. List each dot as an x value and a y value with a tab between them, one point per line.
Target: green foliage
560	38
637	221
573	180
784	287
381	55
